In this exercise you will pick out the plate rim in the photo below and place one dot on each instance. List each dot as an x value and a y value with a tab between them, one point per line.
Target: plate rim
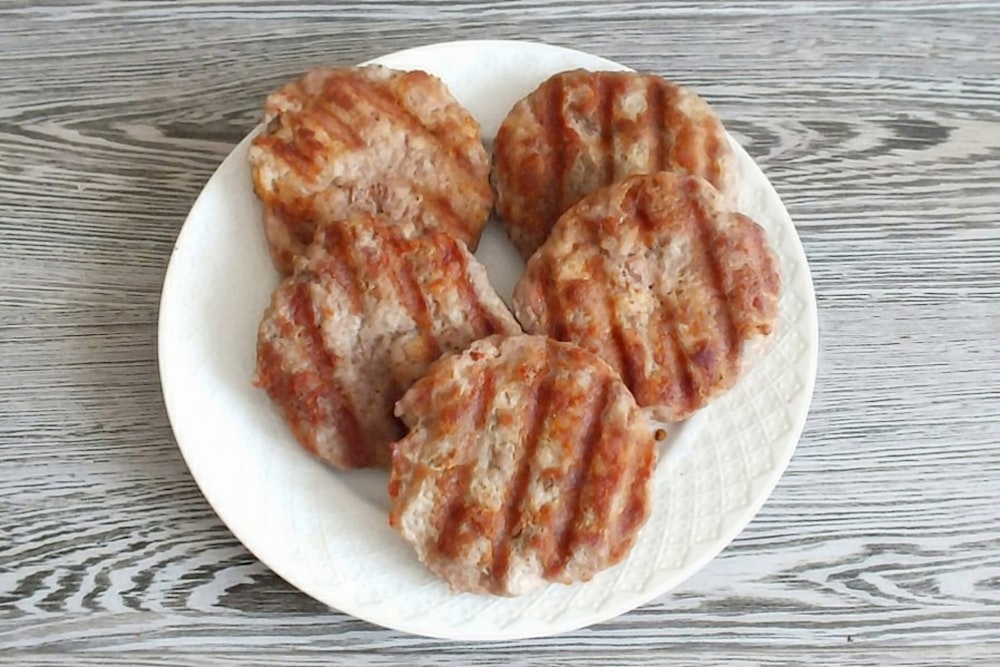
437	630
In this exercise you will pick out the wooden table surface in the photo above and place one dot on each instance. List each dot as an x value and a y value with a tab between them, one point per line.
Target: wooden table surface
879	125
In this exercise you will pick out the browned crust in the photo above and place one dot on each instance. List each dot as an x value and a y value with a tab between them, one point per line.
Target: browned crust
368	140
581	130
366	311
656	276
579	444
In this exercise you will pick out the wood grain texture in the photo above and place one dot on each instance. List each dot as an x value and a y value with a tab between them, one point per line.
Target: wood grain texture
879	126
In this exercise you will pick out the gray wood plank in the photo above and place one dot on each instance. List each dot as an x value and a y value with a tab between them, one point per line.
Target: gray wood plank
880	127
729	656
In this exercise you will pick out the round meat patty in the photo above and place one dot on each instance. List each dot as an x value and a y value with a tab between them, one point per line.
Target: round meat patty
657	277
582	130
363	316
527	461
371	140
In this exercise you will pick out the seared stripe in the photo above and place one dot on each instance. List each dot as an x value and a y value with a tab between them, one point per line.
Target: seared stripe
567	529
338	242
348	92
708	251
360	268
712	153
760	302
454	258
463	519
679	370
553	303
697	135
379	97
408	290
607	89
615	353
665	329
554	129
608	479
501	171
357	450
655	92
290	152
766	260
635	486
335	127
618	353
688	151
630	346
509	519
636	203
629	367
291	391
446	219
449	508
336	91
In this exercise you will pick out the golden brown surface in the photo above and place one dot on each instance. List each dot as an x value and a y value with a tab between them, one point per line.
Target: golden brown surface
370	140
527	461
365	313
582	130
657	277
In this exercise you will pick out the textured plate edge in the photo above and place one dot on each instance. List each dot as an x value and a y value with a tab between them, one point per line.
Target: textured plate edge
742	519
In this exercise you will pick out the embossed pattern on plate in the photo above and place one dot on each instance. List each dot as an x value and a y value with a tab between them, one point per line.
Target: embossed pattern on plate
326	532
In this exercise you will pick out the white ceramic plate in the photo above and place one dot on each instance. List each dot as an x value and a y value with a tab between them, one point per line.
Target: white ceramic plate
326	532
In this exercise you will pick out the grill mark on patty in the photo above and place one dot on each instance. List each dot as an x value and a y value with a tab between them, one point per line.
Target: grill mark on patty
387	102
566	525
606	92
461	520
759	316
635	204
449	512
349	92
772	276
632	347
342	104
479	319
635	508
667	324
509	519
655	93
323	114
628	366
553	302
446	215
709	252
410	473
681	154
410	295
607	477
554	131
340	95
680	369
561	418
500	168
325	363
696	135
277	383
624	361
341	264
713	153
291	153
